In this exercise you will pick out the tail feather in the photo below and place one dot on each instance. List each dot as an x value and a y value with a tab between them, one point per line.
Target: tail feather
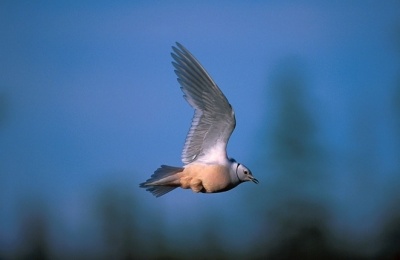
160	188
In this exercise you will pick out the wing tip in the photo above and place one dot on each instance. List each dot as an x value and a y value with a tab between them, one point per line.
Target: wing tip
180	46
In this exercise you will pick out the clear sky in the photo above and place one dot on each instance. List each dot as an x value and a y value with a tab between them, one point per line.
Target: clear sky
88	97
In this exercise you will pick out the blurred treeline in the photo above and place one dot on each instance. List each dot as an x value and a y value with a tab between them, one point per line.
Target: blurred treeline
296	204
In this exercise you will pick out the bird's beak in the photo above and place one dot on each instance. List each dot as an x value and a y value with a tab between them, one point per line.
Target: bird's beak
253	179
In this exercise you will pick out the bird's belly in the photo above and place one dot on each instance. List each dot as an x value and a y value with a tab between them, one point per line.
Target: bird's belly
206	178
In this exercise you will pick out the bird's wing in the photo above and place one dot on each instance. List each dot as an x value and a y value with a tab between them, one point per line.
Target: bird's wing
214	119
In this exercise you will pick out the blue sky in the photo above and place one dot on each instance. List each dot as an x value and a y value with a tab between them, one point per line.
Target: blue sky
91	97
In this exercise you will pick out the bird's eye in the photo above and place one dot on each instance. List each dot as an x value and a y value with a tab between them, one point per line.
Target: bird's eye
246	172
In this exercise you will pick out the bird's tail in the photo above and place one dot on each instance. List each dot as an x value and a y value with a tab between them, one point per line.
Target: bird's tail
163	180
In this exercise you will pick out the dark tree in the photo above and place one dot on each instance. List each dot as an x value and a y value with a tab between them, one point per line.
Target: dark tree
295	215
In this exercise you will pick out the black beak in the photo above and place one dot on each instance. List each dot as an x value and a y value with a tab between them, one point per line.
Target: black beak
254	180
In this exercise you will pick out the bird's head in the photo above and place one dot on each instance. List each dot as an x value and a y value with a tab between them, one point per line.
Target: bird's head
244	174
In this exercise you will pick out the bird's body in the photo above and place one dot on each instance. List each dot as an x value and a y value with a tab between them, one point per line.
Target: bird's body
199	177
207	178
207	167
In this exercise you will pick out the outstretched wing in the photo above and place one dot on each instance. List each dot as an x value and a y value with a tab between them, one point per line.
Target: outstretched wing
214	119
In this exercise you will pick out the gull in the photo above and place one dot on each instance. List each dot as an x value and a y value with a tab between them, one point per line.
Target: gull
207	168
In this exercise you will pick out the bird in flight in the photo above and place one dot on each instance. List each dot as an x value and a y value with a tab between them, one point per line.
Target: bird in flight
207	168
